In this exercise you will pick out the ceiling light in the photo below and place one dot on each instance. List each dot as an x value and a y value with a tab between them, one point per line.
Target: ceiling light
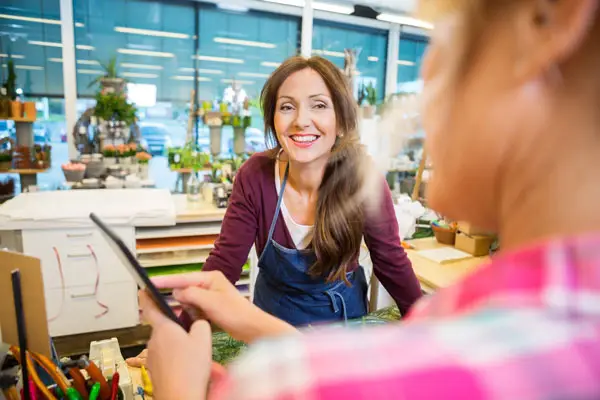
329	53
145	53
202	70
232	7
139	75
219	59
48	44
237	81
28	67
90	72
15	56
79	25
30	19
84	47
404	20
254	74
249	43
296	3
336	8
373	59
141	66
149	32
190	78
82	62
405	63
270	64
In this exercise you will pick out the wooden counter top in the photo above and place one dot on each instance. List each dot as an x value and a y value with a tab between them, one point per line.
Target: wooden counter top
201	211
433	275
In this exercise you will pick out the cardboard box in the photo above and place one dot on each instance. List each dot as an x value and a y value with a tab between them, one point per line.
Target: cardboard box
478	246
470	230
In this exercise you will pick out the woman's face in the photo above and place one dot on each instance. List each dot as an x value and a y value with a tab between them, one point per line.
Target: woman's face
305	120
476	115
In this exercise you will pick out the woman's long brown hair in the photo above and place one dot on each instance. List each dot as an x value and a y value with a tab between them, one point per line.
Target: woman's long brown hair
339	221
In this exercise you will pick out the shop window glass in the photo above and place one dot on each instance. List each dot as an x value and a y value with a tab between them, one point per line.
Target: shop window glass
410	56
245	46
31	33
330	39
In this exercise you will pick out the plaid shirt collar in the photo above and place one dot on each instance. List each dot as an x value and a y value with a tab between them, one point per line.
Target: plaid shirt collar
561	275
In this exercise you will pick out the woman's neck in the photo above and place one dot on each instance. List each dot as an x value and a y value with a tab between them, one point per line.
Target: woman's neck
557	196
306	178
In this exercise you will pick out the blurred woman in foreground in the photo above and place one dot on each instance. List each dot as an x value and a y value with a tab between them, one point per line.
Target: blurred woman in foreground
511	113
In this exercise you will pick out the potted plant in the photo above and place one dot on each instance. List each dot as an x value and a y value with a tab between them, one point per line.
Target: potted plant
143	160
5	160
10	85
110	82
4	104
212	180
110	154
371	97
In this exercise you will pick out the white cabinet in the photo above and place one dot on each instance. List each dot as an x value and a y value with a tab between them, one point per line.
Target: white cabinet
83	275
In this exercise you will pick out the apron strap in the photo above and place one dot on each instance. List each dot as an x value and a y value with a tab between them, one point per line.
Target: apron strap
332	297
279	200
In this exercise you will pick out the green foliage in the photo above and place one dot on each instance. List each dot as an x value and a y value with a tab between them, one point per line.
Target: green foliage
5	156
11	80
110	71
114	105
371	95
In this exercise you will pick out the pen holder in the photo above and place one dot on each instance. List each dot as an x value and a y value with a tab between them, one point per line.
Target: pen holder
106	354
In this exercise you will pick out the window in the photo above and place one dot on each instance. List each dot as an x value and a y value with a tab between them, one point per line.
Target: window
410	57
331	39
245	46
31	34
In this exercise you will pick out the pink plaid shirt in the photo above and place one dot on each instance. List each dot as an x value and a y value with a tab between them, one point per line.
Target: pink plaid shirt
527	326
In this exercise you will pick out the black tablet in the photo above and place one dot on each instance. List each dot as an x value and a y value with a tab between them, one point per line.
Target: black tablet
137	271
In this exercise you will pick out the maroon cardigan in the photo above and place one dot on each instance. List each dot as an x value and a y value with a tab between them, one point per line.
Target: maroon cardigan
249	215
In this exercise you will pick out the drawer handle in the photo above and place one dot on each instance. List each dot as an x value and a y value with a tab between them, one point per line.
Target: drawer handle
80	255
83	296
79	235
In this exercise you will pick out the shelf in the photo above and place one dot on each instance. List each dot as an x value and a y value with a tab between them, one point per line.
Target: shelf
17	119
145	246
171	261
24	171
245	281
178	231
189	170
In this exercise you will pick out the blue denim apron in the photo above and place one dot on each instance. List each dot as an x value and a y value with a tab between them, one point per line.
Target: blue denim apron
286	290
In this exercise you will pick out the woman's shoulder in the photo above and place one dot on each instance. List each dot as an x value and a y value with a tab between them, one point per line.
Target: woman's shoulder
258	169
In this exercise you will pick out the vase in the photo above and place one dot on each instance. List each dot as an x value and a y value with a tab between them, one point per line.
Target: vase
110	161
143	170
215	139
29	110
208	192
16	109
239	140
368	112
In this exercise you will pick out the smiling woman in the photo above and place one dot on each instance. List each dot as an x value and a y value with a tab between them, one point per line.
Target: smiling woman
303	204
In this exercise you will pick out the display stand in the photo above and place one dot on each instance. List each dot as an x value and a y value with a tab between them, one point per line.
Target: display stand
24	136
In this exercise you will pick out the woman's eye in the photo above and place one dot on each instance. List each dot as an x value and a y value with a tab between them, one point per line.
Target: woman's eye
285	107
320	106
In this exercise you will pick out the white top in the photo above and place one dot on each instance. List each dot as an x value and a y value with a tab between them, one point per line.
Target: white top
71	208
301	234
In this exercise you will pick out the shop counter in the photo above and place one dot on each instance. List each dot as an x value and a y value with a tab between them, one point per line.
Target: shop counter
434	276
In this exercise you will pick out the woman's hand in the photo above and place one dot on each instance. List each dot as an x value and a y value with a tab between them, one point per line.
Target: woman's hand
221	303
179	363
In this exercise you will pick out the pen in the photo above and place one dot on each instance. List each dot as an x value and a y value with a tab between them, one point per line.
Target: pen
95	391
146	382
73	394
115	386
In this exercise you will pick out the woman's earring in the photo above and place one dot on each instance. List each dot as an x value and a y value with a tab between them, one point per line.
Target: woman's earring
341	135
